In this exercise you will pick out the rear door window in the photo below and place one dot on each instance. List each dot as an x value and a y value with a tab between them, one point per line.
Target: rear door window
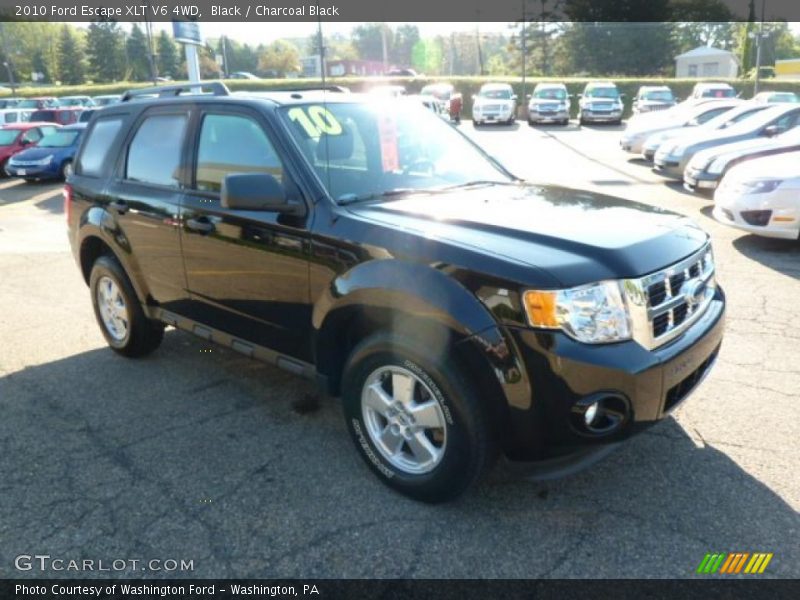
154	155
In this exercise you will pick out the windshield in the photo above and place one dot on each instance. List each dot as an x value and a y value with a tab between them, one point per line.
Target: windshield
28	104
7	136
59	139
658	96
718	93
784	97
71	102
550	94
732	117
368	149
495	94
602	92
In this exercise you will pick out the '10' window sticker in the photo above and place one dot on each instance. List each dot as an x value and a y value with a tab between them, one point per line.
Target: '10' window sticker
316	120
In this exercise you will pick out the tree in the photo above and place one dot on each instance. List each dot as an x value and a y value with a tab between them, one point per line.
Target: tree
167	55
279	58
406	37
137	52
71	69
104	47
369	40
39	65
746	31
600	48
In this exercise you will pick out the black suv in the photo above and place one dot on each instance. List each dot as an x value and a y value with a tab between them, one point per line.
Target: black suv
458	311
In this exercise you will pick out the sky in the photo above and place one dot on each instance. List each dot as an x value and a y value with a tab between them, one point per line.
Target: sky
256	33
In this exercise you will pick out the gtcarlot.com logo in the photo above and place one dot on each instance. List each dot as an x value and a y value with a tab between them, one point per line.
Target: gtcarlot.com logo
732	563
45	562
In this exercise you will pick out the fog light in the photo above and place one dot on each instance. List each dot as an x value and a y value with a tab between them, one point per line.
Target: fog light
590	414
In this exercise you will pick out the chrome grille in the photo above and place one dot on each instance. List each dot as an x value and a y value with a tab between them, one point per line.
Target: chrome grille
666	303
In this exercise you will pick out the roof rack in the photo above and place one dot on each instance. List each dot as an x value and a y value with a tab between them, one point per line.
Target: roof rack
339	89
217	88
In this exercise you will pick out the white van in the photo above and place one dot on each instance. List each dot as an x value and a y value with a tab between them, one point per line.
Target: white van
14	115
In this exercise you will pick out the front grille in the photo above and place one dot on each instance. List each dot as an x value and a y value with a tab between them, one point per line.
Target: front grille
672	298
679	391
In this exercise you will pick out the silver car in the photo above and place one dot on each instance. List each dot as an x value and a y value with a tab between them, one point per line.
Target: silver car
549	103
600	102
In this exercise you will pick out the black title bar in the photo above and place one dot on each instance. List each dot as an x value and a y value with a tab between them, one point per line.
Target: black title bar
400	11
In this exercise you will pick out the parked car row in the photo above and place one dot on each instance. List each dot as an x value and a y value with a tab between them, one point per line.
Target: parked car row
39	150
748	151
41	102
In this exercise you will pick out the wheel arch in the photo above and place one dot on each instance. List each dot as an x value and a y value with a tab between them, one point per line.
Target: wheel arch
95	240
423	304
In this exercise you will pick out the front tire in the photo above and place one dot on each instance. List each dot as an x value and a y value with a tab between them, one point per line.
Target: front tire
66	170
416	422
118	311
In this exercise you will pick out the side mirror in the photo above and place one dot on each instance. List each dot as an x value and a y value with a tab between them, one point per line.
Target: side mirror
622	95
528	96
514	97
25	142
771	131
580	95
257	191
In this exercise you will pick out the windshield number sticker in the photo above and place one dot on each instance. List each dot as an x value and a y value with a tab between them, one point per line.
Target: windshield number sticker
315	121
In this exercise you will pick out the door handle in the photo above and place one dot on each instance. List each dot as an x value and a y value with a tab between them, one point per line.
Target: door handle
120	206
201	225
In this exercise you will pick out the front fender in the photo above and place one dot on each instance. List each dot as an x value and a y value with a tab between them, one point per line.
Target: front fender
404	288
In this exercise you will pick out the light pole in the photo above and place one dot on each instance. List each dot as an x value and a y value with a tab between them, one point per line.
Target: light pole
523	100
759	39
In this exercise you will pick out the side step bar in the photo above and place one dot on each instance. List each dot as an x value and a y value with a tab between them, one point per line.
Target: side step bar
249	349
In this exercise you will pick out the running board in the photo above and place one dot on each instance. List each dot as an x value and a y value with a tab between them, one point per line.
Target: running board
249	349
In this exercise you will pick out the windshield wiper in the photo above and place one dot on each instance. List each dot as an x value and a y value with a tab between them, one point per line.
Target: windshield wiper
345	199
476	183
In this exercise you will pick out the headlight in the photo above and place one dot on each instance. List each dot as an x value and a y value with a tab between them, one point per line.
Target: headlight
593	314
761	186
717	166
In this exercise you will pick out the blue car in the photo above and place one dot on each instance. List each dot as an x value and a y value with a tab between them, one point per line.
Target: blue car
51	158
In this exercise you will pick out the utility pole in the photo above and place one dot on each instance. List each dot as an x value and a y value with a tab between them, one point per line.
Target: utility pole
151	57
523	98
225	70
759	40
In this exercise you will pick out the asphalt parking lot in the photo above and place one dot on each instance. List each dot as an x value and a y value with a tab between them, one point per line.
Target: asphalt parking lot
197	453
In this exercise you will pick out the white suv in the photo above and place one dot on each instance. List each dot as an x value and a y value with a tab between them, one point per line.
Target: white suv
600	102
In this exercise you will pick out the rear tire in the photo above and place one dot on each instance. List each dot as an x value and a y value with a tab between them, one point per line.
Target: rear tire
414	418
119	313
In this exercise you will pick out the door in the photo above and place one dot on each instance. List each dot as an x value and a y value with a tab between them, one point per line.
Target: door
246	271
144	199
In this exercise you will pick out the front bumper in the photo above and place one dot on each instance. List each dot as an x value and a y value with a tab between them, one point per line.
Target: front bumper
32	172
590	116
548	116
784	218
697	179
668	167
562	372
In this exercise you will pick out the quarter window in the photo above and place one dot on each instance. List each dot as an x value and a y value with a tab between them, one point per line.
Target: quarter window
233	144
154	155
95	149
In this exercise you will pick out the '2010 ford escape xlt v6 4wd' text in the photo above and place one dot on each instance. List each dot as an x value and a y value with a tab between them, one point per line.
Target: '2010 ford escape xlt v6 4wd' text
457	310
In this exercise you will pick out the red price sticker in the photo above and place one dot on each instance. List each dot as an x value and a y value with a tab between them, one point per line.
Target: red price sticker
387	131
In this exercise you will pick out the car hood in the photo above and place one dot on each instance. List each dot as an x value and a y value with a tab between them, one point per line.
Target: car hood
575	236
37	153
479	101
537	101
778	166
